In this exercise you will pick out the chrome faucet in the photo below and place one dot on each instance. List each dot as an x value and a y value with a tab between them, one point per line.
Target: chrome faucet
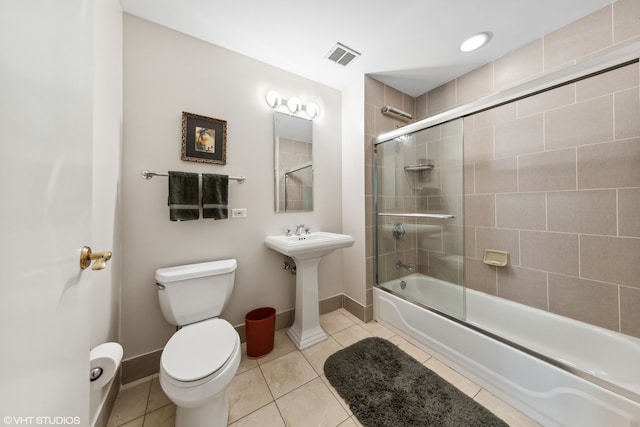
399	265
299	229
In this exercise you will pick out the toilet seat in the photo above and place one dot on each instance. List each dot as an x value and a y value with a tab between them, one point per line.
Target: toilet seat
198	350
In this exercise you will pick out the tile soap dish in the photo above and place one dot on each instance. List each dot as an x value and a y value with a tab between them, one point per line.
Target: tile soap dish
497	258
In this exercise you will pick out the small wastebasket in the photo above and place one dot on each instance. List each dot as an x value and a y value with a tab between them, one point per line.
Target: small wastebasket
260	327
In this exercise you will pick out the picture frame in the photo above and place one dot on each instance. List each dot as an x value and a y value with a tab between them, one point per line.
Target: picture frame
204	139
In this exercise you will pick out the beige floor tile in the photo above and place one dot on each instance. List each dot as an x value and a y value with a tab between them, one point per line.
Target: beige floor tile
335	321
461	383
157	398
503	410
348	315
282	345
138	422
311	405
318	354
351	335
246	362
335	393
248	391
267	416
131	403
348	423
163	417
377	330
287	373
410	349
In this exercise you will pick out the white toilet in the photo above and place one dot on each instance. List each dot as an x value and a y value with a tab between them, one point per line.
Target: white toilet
200	360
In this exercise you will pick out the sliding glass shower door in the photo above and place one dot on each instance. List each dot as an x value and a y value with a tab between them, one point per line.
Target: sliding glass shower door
419	217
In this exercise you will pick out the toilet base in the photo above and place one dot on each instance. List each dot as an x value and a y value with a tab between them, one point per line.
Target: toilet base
214	413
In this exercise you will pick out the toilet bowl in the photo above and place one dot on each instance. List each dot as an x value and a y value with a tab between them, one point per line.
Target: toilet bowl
196	368
200	360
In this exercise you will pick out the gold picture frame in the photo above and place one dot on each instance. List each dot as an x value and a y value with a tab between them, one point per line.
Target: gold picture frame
204	139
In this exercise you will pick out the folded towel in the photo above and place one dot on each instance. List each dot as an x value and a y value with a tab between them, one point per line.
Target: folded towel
215	192
183	196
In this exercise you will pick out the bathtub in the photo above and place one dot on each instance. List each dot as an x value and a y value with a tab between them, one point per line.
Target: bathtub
557	371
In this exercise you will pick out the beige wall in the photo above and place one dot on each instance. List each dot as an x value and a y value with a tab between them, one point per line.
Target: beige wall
165	73
553	179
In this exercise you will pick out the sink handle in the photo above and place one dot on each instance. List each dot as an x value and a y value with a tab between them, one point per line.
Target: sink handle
287	233
307	230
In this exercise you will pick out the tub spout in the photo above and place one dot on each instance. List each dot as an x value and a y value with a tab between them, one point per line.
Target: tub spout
399	265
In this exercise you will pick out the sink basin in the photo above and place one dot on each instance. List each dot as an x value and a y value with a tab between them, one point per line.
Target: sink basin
307	250
316	244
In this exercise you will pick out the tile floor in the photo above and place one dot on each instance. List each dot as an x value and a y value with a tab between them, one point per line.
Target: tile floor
287	387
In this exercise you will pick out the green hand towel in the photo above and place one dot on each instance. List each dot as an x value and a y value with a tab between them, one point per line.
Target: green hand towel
215	193
183	196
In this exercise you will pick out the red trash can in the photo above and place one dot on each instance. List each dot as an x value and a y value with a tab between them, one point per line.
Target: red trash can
260	327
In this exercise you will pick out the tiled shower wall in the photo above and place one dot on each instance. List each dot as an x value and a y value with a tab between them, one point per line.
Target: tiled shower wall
553	179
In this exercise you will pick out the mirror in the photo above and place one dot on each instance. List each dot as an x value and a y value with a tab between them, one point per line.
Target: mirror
293	163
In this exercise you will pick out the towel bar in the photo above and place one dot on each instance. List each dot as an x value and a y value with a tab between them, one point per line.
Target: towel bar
149	174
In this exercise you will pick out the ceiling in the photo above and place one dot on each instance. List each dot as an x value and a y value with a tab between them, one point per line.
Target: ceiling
411	45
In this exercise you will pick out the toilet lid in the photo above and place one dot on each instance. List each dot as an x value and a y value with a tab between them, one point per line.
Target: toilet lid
198	350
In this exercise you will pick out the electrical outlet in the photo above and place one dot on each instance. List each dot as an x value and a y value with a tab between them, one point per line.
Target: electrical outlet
239	213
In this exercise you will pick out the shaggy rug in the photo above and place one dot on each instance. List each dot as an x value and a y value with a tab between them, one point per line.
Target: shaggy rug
384	386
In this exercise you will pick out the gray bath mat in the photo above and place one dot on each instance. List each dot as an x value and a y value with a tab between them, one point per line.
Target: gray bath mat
384	386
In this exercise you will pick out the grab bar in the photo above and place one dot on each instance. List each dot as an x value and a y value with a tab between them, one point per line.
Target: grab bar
419	215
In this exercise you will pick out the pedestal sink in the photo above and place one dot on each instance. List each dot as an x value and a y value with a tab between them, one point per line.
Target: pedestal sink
307	250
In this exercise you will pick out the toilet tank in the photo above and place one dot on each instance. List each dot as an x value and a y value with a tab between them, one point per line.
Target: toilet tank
194	292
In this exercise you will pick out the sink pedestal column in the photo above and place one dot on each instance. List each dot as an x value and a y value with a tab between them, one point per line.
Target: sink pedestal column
306	330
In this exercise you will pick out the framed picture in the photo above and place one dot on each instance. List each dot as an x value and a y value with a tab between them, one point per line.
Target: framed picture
204	139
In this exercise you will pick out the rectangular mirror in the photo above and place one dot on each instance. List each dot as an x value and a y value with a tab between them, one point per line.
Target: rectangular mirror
293	163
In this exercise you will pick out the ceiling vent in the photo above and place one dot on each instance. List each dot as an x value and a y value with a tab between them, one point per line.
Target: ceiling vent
342	54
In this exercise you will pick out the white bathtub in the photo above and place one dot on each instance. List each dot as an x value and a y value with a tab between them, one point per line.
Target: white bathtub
566	373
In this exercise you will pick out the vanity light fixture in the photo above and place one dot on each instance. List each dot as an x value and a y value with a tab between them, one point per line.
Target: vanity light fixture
294	105
475	42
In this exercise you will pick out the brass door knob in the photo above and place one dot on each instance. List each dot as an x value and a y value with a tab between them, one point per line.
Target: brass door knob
100	258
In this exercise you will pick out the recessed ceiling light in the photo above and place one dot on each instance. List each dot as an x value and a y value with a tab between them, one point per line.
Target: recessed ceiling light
475	42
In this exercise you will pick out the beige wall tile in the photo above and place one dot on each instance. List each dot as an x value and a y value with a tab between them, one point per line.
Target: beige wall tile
480	210
554	252
629	313
524	286
583	123
521	211
518	65
521	136
496	176
421	107
628	212
373	92
584	36
470	242
442	98
545	101
626	14
499	239
585	300
606	83
627	114
553	170
475	84
480	276
609	165
495	116
610	259
392	97
586	211
478	145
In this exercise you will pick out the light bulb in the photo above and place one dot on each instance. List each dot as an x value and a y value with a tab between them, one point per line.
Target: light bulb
293	104
475	42
273	99
312	109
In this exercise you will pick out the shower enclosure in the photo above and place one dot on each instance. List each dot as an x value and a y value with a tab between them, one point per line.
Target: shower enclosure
544	178
419	215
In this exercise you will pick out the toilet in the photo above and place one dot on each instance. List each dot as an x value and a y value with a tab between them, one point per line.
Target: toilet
202	357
